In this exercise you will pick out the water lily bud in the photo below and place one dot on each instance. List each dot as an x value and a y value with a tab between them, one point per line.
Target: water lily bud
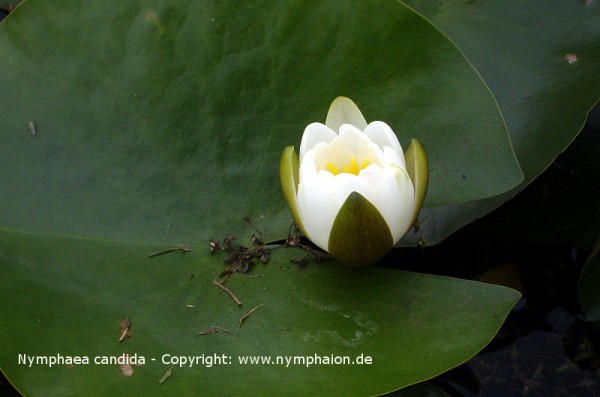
352	191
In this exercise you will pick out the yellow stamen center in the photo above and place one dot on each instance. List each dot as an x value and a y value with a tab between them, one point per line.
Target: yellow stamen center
351	168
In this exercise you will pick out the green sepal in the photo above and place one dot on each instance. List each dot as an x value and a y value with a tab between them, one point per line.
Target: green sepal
417	166
359	235
289	169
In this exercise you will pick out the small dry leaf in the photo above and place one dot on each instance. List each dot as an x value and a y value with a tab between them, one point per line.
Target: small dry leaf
125	330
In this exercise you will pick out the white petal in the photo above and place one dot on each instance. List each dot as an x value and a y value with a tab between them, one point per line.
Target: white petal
351	143
381	134
308	170
372	175
395	200
313	134
359	143
318	208
336	152
343	184
354	137
390	156
344	111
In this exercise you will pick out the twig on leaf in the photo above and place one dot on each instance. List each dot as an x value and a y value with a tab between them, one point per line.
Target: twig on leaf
224	288
179	247
247	314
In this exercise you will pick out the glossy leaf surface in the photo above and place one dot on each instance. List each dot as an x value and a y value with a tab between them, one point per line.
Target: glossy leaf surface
172	115
67	296
163	121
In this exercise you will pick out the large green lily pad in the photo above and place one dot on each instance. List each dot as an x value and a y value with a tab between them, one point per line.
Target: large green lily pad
67	296
168	118
163	121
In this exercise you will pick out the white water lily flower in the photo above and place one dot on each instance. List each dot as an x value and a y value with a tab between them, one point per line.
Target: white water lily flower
352	192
